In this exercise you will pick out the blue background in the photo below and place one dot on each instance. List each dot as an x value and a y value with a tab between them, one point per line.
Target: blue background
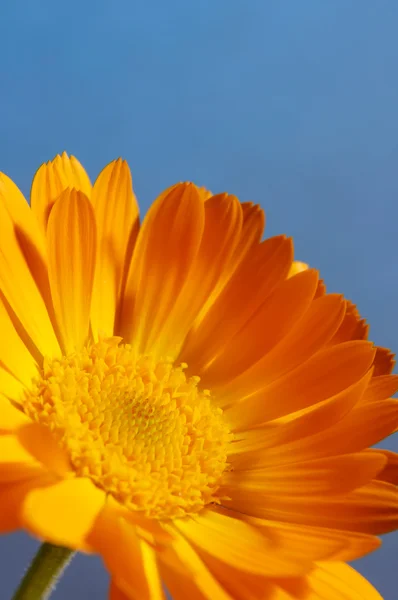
292	104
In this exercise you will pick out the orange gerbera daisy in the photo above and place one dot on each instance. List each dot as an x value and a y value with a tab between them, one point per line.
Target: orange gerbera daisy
182	398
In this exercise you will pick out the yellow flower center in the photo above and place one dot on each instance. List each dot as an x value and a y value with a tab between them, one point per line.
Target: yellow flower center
139	428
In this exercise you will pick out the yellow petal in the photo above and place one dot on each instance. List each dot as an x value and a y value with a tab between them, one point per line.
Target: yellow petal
20	289
337	580
27	231
51	180
172	223
72	250
116	213
11	417
14	355
205	193
63	513
10	387
11	450
297	267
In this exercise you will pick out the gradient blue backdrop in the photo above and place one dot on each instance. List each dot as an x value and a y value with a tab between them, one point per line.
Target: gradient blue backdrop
292	104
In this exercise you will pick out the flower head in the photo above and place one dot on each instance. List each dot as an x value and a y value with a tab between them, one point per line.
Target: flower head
183	398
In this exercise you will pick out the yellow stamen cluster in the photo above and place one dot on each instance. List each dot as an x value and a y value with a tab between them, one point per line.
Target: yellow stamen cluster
139	428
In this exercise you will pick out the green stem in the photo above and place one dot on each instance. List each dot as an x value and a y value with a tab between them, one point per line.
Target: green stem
43	573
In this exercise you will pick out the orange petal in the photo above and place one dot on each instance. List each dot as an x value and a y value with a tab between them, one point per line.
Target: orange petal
315	543
245	586
263	331
381	387
20	289
131	560
72	246
337	580
64	512
310	334
16	463
212	264
253	222
352	326
186	575
294	430
116	213
116	593
307	337
304	544
181	586
216	534
323	376
51	180
327	581
384	361
251	233
149	585
390	471
364	426
372	508
172	223
332	475
12	496
16	472
41	444
257	277
148	529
